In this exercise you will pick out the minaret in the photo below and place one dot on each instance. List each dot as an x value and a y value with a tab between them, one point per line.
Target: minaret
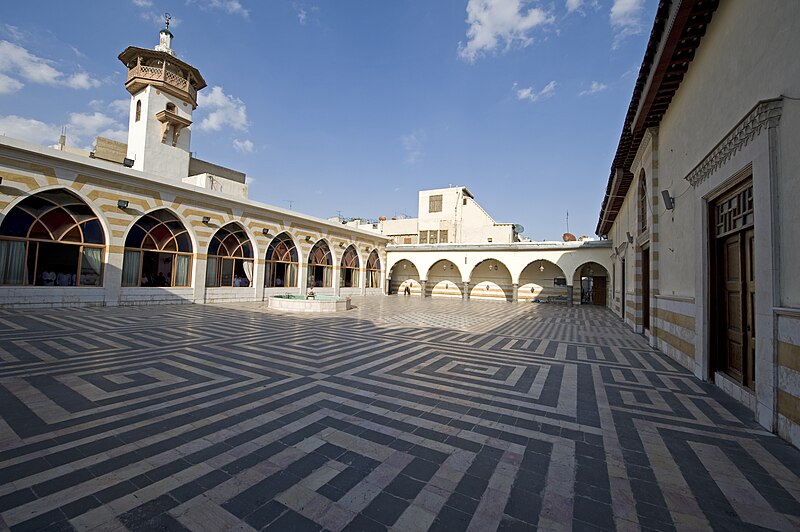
163	96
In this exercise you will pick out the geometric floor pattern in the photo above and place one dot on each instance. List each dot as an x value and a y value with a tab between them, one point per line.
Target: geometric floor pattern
401	414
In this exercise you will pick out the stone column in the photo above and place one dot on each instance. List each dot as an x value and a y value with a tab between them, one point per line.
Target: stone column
112	276
423	287
515	292
362	278
200	266
570	290
337	281
260	265
465	295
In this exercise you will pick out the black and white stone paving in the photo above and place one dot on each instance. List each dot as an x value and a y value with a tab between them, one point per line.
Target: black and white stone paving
403	414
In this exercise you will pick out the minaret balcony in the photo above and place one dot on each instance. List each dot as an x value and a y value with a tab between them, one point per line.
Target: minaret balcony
139	76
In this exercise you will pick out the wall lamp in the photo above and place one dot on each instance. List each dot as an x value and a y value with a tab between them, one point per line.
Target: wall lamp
265	232
341	244
541	266
669	201
206	219
308	239
630	238
1	180
122	204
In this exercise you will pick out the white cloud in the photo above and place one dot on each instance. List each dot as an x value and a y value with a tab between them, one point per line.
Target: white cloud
224	110
528	93
626	19
302	14
81	80
15	59
595	87
143	3
28	129
9	84
413	145
572	5
157	19
14	32
82	128
243	146
492	22
232	7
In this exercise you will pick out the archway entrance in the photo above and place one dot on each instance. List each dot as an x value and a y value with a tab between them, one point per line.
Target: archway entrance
591	284
490	279
542	281
404	275
444	280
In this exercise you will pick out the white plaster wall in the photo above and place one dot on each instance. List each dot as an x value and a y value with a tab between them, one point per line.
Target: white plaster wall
144	138
749	53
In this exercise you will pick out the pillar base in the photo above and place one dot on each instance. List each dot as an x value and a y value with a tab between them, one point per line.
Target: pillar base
570	291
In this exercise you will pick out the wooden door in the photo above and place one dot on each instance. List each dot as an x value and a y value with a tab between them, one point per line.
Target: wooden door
599	290
646	289
732	306
748	243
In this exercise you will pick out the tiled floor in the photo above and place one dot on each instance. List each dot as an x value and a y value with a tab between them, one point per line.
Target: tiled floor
403	413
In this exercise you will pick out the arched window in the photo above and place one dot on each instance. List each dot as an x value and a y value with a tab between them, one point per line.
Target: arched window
320	266
349	274
170	107
642	202
158	252
373	270
51	239
230	258
282	262
138	110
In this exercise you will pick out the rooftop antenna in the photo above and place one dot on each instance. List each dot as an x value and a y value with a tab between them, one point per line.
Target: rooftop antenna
339	214
567	221
290	202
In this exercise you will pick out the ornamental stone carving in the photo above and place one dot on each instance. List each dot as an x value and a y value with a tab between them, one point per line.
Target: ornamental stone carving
765	115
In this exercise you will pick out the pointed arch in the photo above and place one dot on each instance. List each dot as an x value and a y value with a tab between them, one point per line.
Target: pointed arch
282	262
230	258
349	268
158	252
373	277
320	266
52	238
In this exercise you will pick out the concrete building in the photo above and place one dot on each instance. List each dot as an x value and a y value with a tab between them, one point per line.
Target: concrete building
448	216
155	225
700	203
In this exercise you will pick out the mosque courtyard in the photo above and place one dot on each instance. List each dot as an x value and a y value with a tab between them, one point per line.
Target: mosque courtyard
403	413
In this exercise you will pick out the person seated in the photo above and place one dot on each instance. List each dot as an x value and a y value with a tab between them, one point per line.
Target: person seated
63	279
161	280
278	281
237	281
310	293
48	278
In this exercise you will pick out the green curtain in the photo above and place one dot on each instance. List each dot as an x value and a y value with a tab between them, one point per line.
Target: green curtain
12	262
182	270
130	268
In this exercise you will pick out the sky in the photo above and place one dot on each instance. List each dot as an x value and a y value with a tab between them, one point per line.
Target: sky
351	107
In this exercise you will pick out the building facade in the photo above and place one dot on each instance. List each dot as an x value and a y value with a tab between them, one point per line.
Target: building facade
700	201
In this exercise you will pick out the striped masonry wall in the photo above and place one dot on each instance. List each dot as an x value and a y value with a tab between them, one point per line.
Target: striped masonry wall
788	357
673	328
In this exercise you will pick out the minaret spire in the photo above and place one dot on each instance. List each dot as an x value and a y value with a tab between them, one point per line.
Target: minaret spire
165	37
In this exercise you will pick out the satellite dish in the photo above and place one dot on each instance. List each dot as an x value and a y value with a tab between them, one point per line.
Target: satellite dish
519	228
568	237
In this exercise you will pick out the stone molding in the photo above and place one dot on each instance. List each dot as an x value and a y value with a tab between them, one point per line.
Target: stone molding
765	115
